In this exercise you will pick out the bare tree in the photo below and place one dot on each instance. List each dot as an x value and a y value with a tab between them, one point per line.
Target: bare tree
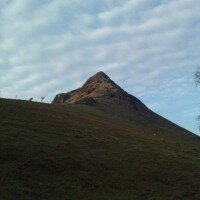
42	98
197	81
197	77
31	99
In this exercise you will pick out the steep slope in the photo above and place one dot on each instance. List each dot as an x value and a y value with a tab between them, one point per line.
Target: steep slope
88	152
100	89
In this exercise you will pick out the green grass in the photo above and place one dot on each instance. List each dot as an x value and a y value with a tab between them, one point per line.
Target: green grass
102	152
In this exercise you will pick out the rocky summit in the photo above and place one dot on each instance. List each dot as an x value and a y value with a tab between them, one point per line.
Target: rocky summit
99	86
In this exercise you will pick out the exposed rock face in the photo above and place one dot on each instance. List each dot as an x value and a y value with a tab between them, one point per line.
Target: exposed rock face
99	86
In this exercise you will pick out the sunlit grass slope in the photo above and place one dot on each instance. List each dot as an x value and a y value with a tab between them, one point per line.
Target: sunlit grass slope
99	152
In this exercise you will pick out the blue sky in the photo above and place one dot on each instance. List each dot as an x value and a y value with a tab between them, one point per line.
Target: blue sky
151	48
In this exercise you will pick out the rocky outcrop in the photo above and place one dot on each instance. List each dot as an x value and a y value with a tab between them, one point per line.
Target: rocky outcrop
99	86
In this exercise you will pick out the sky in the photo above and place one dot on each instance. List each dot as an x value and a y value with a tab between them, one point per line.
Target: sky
151	48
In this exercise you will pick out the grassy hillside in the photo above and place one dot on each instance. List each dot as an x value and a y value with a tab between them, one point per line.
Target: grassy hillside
101	152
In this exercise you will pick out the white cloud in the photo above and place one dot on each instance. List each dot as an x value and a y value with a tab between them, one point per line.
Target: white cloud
54	45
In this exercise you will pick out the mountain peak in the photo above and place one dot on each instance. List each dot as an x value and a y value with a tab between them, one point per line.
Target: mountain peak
101	74
98	79
100	86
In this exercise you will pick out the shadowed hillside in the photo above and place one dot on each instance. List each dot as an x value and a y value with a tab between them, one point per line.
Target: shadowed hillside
98	148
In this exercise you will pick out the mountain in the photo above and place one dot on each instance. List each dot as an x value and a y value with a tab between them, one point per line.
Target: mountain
100	89
95	143
100	86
